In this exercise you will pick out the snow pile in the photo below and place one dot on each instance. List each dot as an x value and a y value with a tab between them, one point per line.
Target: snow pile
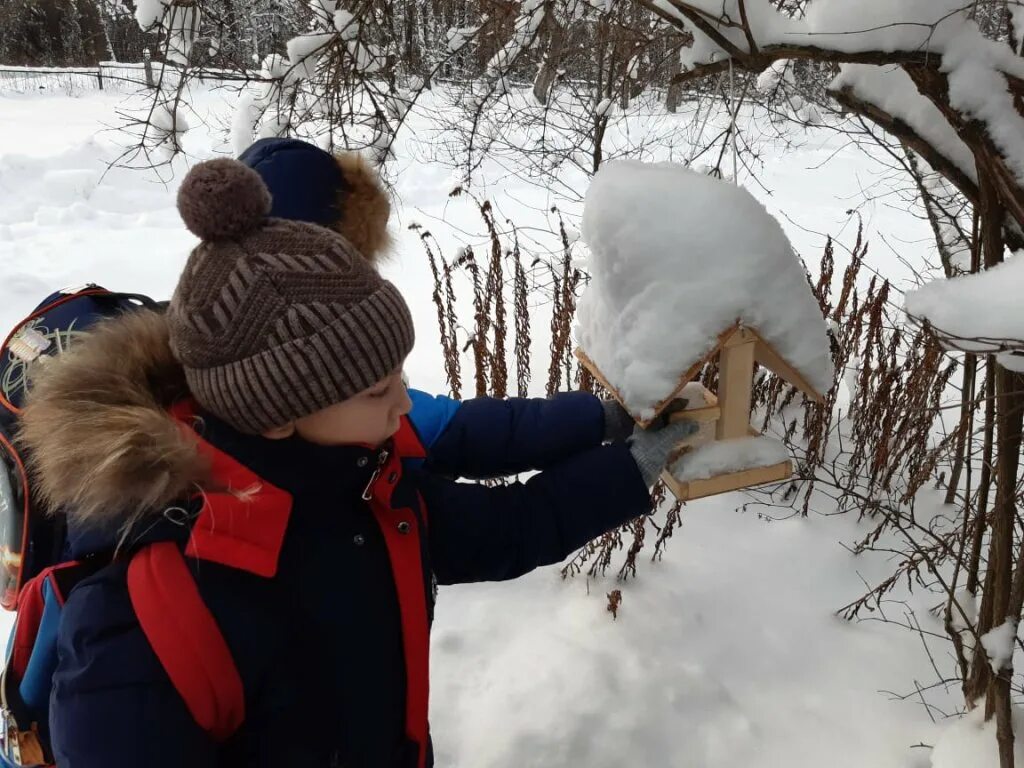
675	259
998	644
721	456
984	308
970	742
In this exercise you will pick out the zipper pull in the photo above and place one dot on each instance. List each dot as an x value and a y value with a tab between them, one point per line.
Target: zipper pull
382	460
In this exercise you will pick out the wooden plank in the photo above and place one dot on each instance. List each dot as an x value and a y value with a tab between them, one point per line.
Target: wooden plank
707	430
766	356
684	379
596	373
707	413
735	381
732	481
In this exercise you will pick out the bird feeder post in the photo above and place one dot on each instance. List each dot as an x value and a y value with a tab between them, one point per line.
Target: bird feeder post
735	381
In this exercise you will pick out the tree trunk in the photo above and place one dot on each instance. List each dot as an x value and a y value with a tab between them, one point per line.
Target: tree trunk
675	90
1003	587
552	58
412	48
966	407
1010	408
974	565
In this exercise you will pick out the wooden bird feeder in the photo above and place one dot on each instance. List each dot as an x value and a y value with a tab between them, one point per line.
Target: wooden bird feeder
724	415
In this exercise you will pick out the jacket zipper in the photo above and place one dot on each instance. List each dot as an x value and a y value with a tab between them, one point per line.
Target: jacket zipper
368	491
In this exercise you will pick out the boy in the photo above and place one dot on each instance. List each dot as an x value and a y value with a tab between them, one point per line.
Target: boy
249	452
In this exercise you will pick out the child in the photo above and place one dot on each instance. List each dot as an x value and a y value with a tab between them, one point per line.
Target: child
249	450
344	193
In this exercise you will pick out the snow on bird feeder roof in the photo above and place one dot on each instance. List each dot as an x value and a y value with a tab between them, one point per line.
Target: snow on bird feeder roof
678	262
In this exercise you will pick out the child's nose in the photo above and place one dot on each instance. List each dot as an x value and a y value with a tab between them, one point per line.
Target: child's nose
404	403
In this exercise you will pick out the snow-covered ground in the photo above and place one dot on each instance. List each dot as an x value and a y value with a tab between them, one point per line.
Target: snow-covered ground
724	655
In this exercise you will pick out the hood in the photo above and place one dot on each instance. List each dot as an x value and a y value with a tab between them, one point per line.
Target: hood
100	441
341	192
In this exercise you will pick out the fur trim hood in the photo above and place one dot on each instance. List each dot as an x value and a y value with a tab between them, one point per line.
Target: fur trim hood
365	208
100	441
342	192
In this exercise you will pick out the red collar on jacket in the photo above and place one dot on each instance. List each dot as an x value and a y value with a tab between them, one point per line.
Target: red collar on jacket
243	520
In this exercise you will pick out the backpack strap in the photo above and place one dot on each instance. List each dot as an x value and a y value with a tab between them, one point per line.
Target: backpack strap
186	639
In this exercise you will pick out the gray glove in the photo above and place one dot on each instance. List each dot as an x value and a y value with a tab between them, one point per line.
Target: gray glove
651	447
618	423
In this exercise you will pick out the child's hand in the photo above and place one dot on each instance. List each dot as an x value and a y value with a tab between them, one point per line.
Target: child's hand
652	447
618	423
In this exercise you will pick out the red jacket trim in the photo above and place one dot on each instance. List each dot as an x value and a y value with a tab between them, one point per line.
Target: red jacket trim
402	537
242	526
407	442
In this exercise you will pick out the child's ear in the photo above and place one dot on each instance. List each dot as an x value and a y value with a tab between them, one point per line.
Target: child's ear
280	433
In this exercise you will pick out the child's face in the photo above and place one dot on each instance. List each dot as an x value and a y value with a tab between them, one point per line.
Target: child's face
369	418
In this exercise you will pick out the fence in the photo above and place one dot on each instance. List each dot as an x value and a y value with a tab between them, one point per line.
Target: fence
109	75
112	75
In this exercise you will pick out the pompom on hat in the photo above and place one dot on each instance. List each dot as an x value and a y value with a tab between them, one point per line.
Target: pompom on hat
222	199
273	320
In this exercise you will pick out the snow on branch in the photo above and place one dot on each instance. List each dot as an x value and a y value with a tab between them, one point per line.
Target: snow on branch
975	313
935	47
888	96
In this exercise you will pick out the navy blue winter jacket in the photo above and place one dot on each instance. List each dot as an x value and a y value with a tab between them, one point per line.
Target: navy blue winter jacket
321	646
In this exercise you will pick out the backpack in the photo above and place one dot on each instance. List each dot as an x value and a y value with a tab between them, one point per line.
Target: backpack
37	574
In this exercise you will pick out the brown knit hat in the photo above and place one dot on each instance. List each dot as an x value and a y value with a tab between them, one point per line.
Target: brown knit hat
272	319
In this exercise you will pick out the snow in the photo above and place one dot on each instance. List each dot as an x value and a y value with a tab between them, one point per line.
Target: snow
1016	12
983	308
978	89
1012	361
149	12
974	64
878	25
722	456
999	644
182	31
892	90
346	24
531	14
968	609
304	51
971	742
770	78
883	25
695	395
867	25
603	108
676	258
726	654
